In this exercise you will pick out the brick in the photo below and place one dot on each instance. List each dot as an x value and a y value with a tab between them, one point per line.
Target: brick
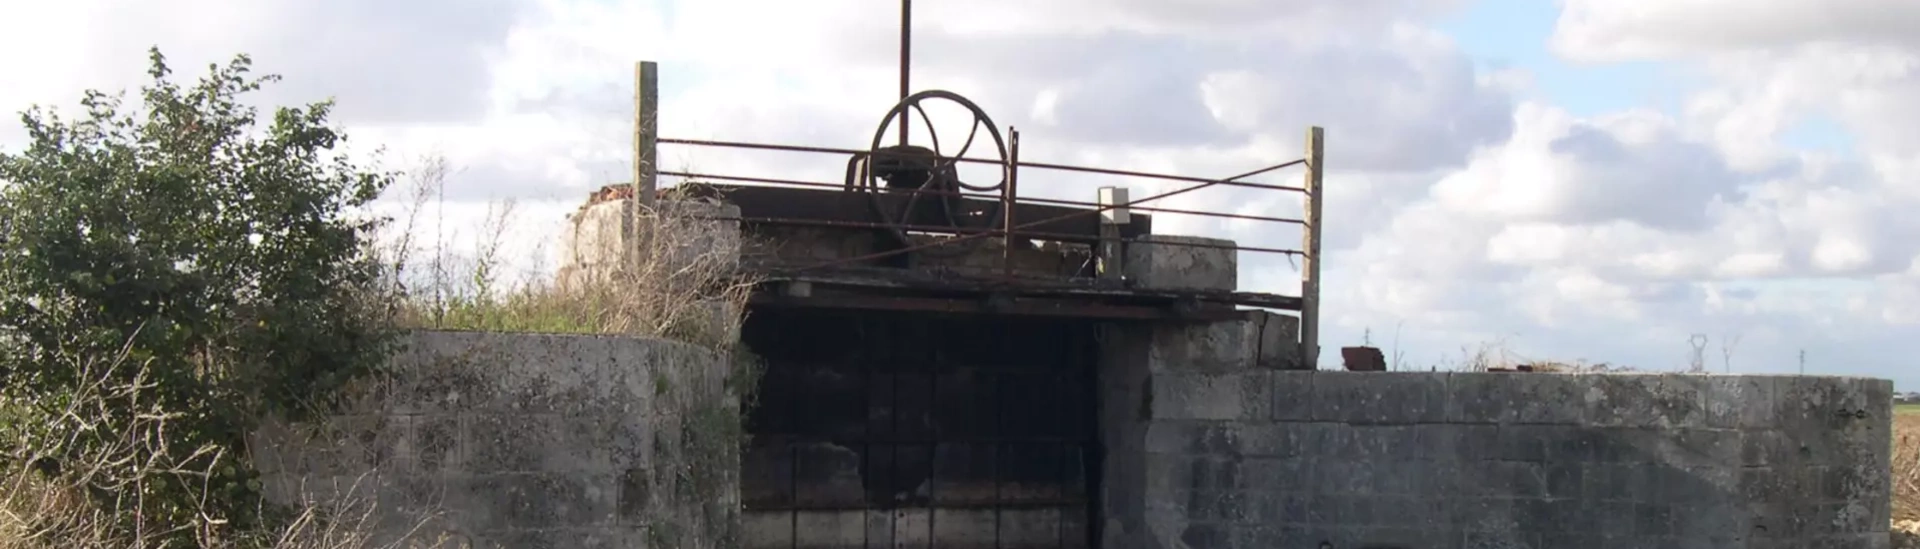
1209	348
1656	400
1173	437
1526	442
1380	397
1205	536
1293	395
1173	262
538	442
1275	474
1276	439
1167	474
1740	402
1276	340
534	501
1237	396
1456	442
1532	398
1498	540
1765	448
1208	474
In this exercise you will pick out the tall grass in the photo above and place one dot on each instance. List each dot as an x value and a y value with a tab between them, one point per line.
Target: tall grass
1498	355
89	499
1906	467
679	282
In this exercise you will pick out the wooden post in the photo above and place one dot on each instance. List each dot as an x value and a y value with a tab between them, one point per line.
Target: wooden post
646	125
1310	265
646	130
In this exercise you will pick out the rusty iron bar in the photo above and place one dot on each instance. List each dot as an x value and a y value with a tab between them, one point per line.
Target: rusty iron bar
1057	218
906	62
1041	165
1250	217
1006	208
970	232
1063	202
753	179
1184	178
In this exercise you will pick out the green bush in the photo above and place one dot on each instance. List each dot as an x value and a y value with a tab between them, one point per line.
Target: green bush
223	254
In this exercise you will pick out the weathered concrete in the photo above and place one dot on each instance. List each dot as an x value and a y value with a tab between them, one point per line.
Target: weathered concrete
1208	450
521	440
1167	262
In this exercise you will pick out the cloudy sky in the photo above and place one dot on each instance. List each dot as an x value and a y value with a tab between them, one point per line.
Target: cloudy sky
1571	179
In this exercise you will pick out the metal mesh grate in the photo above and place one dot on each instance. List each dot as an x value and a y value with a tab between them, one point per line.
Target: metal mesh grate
921	430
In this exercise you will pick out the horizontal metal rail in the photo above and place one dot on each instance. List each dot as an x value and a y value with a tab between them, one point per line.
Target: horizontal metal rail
1019	164
1056	201
983	231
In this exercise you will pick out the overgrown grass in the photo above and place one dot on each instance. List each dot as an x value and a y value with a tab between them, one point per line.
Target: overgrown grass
84	477
1498	355
1906	409
1906	467
1906	479
679	284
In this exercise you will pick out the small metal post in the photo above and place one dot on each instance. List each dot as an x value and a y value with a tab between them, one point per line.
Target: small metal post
906	60
646	118
1310	262
1007	200
1113	201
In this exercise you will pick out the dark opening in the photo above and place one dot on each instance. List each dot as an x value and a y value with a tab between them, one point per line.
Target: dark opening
962	431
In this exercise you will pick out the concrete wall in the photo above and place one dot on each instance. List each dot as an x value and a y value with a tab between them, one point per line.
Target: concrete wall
522	440
1209	448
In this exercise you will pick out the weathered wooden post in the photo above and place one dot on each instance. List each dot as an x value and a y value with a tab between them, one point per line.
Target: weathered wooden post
1310	265
646	132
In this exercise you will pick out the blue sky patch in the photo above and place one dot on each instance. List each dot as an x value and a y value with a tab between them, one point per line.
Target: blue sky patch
1515	34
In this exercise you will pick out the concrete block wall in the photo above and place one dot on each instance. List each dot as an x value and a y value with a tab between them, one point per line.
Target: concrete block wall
1169	262
525	440
1249	457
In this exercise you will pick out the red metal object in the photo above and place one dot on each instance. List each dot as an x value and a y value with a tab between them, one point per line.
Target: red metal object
1363	359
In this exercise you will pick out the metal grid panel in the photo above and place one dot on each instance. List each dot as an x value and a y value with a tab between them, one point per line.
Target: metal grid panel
916	430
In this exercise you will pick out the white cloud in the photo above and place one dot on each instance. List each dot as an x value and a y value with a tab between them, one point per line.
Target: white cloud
1612	30
1455	214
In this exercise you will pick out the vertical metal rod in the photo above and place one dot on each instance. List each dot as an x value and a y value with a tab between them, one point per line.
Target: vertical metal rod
906	60
793	478
893	428
933	442
1066	463
794	410
999	425
1008	198
1313	231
